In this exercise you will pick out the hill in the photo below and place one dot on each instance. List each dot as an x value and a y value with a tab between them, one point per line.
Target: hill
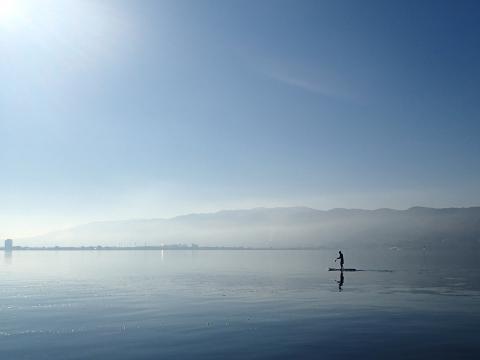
417	227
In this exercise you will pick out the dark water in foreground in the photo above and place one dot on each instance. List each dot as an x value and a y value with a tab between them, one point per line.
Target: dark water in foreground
235	304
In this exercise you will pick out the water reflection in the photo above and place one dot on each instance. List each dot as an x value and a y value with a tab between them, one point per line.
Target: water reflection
341	281
7	257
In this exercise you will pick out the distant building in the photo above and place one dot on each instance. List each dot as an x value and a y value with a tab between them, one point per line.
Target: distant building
8	245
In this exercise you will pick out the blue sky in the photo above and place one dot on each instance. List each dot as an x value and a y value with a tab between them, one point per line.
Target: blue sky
130	109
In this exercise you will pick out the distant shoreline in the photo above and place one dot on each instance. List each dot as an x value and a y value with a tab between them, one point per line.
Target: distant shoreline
154	248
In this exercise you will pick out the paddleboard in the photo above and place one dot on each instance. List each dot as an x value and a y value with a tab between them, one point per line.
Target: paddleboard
335	269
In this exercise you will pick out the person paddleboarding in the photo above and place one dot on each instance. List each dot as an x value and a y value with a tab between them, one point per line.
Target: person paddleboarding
340	257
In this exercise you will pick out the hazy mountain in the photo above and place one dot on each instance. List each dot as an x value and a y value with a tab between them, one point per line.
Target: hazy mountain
416	227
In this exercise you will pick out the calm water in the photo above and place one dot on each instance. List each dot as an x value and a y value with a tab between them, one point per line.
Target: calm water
240	304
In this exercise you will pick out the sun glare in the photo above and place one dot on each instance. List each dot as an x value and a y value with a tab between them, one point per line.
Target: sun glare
62	35
12	14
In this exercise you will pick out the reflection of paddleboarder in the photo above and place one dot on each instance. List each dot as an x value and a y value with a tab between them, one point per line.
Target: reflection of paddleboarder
340	256
341	281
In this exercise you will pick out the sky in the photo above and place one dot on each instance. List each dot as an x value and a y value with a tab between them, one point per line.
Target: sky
114	109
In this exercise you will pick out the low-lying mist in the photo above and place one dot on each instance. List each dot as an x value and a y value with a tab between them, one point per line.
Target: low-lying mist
295	227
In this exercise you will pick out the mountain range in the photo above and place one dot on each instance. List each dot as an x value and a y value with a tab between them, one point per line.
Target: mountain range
286	227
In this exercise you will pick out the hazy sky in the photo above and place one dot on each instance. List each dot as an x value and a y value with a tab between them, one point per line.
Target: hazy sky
131	109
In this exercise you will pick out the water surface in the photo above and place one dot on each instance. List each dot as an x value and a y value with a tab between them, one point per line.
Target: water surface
240	304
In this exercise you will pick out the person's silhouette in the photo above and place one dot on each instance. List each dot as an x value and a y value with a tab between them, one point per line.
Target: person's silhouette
340	256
